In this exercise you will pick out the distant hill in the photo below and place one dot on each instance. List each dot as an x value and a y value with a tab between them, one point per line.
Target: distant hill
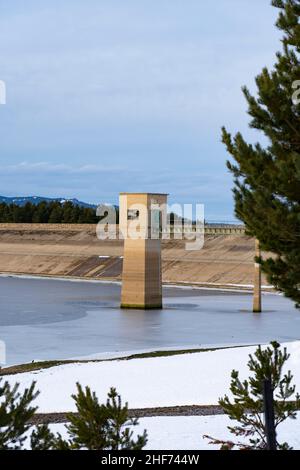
21	201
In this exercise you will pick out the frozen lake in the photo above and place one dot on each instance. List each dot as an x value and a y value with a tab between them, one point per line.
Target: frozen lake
43	319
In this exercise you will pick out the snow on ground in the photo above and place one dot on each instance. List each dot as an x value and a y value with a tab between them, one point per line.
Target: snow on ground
188	379
186	433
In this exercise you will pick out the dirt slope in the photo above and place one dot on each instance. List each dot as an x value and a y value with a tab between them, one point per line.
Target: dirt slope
74	250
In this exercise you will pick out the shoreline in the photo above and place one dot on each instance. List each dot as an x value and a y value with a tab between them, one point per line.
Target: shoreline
177	285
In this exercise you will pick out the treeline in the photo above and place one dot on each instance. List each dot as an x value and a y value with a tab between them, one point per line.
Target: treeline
56	212
48	212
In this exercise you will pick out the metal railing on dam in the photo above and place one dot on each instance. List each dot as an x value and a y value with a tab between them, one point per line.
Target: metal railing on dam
223	229
209	229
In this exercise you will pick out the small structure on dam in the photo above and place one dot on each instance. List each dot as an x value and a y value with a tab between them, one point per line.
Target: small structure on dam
141	217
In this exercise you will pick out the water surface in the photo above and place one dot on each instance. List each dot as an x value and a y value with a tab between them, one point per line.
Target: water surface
43	319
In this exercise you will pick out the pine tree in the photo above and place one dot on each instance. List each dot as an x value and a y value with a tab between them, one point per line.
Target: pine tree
96	426
267	180
247	405
55	213
15	411
43	439
101	426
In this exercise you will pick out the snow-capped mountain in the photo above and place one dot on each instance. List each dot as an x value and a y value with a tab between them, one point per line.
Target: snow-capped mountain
21	201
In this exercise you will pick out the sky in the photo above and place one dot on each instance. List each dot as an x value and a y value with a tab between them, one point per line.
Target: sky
106	96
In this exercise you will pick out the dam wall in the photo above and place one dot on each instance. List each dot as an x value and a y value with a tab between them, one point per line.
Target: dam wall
71	250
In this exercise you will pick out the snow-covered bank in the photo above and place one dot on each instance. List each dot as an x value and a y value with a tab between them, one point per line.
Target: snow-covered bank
188	379
186	433
127	354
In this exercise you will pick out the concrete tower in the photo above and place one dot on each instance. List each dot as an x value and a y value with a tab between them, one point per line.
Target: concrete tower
141	216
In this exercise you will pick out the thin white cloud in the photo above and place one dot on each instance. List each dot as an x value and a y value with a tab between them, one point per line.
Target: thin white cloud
47	167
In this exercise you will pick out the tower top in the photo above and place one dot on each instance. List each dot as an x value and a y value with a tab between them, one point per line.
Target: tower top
144	194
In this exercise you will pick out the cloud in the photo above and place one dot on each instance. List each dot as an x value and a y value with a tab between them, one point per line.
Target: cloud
62	168
95	184
112	95
117	63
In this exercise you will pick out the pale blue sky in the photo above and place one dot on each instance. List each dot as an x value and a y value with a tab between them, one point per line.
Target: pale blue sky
105	96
